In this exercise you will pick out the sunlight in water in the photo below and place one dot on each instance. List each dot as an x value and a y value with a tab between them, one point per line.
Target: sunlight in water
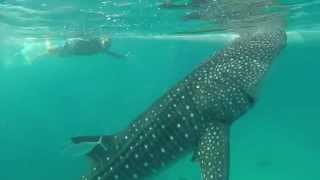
33	50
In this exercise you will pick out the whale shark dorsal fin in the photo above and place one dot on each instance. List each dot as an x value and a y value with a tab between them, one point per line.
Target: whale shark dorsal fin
213	152
103	149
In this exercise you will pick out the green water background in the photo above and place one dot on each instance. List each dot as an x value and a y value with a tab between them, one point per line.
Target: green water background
46	103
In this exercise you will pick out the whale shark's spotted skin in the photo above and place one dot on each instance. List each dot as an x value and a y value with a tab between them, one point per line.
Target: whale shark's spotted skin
194	116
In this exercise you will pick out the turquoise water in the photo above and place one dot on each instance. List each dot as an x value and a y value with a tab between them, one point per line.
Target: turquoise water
46	100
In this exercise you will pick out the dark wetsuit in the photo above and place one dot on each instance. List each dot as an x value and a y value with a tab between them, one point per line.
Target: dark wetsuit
79	46
83	47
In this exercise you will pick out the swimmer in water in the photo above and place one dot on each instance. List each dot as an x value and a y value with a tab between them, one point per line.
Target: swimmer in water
83	47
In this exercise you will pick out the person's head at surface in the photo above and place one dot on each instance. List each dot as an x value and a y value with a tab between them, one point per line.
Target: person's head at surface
105	42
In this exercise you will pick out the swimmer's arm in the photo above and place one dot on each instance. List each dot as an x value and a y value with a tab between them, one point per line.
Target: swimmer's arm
115	55
54	50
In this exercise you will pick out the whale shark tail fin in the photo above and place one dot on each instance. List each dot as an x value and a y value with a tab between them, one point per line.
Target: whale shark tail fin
102	148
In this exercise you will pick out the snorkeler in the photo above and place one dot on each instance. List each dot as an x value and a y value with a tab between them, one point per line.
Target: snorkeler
82	47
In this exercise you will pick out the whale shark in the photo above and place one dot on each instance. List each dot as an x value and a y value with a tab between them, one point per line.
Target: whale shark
194	116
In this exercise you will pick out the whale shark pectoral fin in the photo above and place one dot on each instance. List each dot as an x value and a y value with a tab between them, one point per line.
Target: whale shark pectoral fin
85	139
195	156
213	152
103	147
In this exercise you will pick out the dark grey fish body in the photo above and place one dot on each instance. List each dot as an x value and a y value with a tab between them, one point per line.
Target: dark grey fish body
195	116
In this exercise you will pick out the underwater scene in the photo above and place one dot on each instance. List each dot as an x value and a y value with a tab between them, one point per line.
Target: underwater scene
159	89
